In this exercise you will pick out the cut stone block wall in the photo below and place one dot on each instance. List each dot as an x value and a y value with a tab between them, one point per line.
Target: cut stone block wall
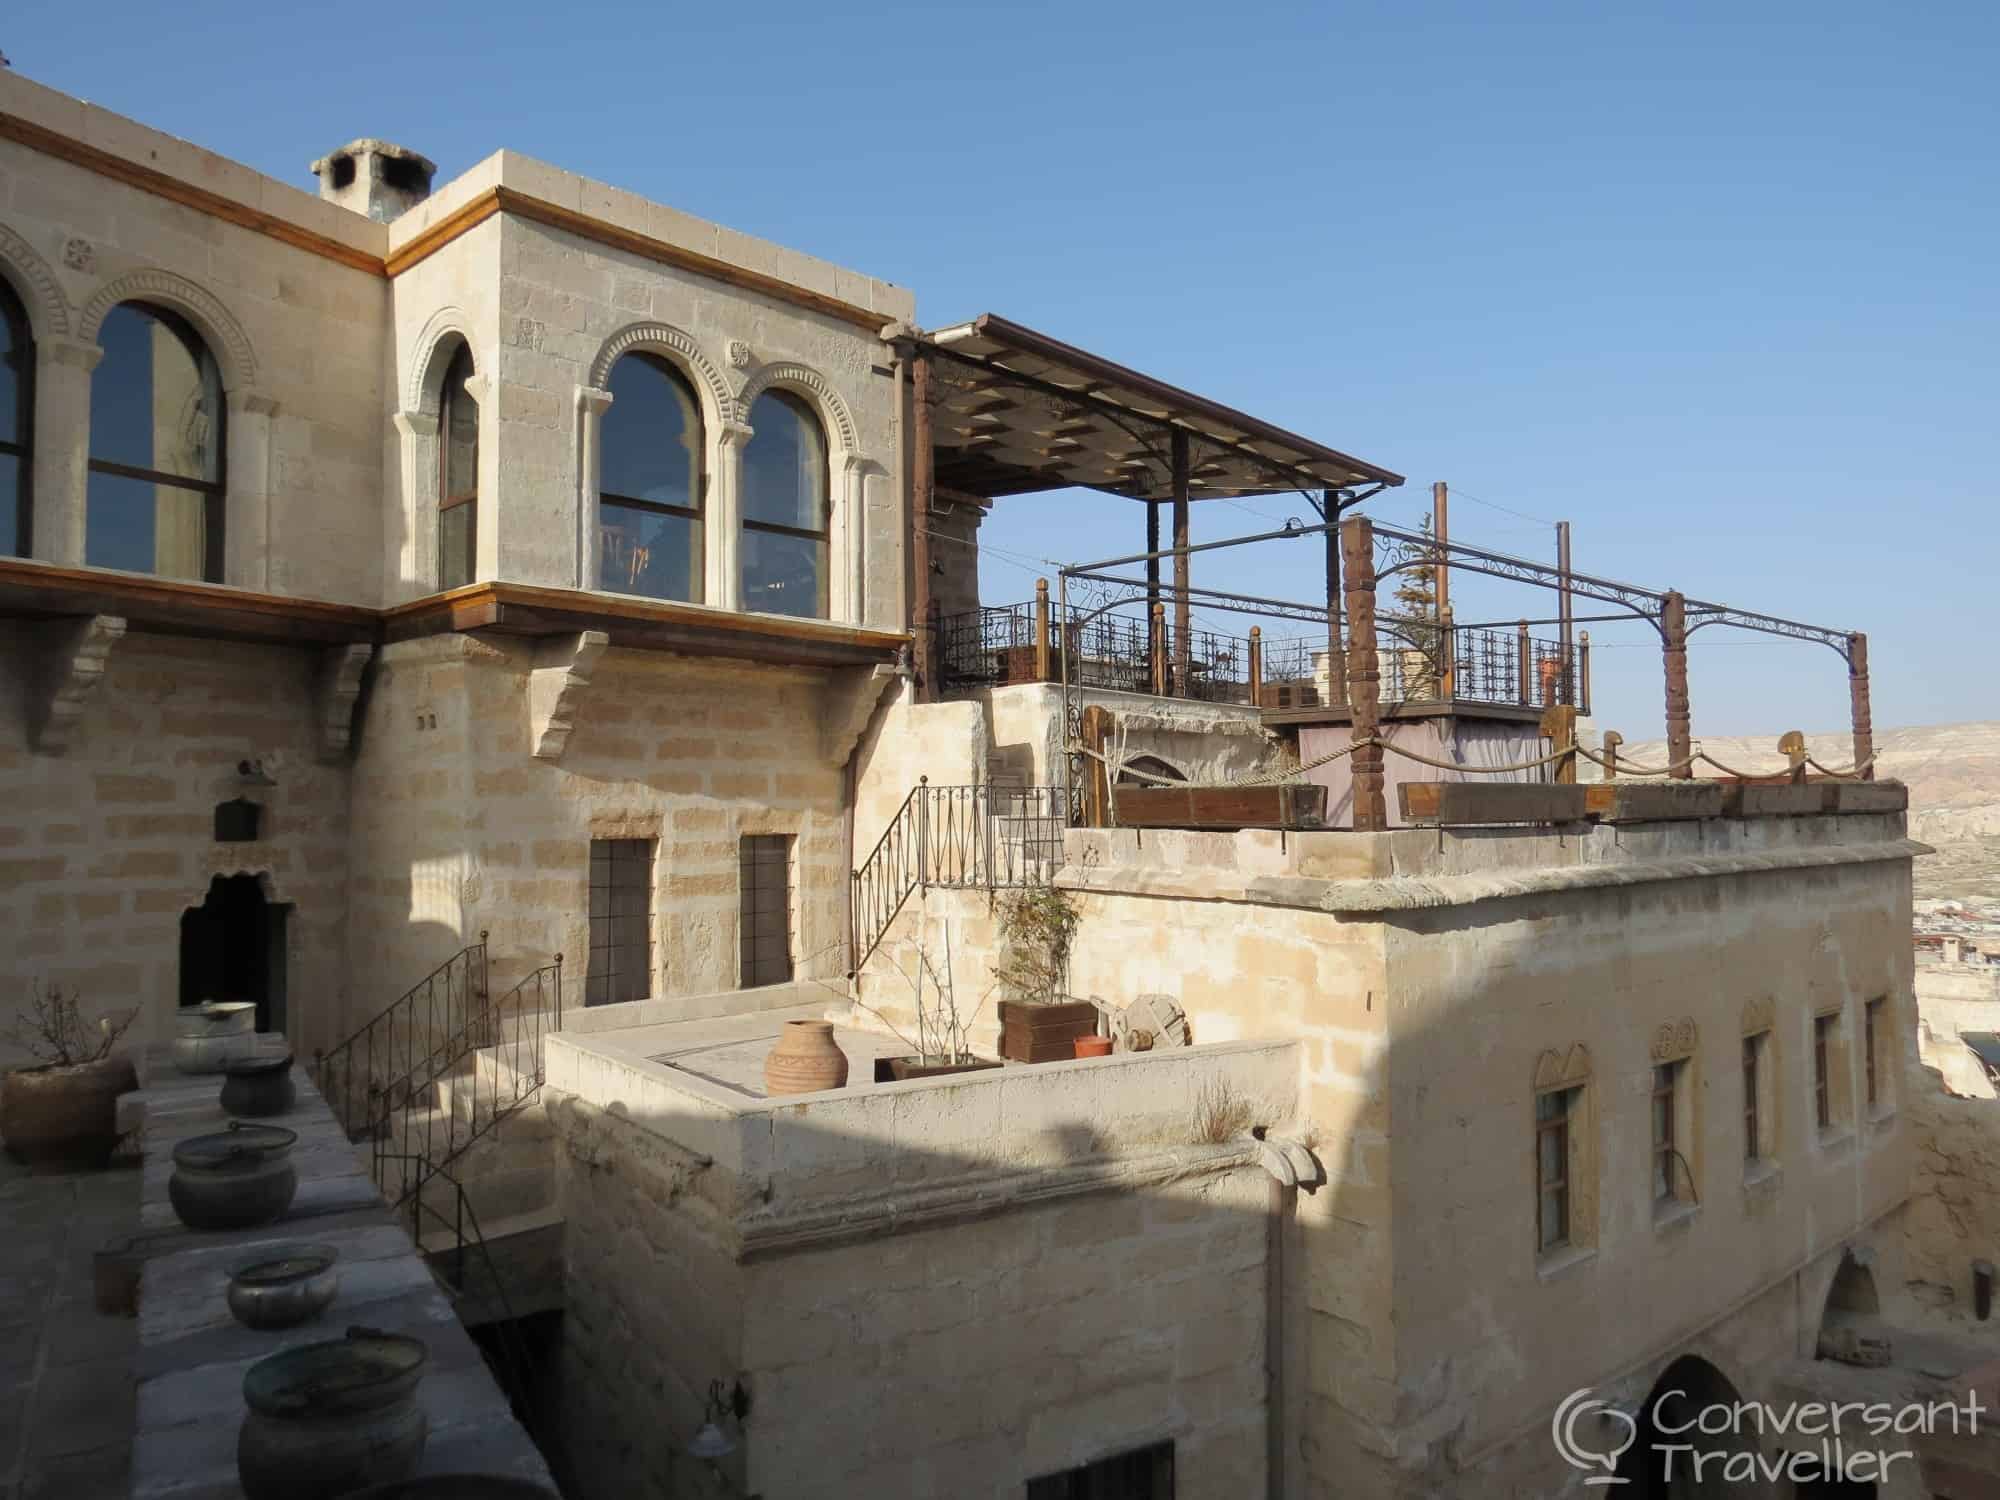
458	828
104	847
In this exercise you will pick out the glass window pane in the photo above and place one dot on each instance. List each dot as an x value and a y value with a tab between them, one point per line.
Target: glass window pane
145	527
1552	1224
461	431
648	552
13	471
1552	1155
651	437
153	403
784	575
455	564
14	372
784	465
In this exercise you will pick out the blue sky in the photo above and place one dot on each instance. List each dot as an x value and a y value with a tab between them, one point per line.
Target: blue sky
1713	282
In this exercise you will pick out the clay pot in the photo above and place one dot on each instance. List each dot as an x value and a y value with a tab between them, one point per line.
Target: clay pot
61	1119
327	1419
209	1036
234	1179
258	1087
1093	1046
805	1060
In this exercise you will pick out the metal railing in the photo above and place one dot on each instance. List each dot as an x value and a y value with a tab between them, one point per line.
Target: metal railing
996	646
434	1119
959	837
409	1042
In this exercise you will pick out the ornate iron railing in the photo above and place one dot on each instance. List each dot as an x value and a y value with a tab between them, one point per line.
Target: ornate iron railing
959	837
435	1118
409	1041
995	646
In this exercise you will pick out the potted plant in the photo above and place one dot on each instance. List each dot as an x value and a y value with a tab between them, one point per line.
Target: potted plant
1038	1022
61	1112
941	1044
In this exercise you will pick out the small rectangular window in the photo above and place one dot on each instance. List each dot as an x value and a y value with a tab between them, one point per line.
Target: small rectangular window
1552	1113
1871	1025
1666	1144
1753	1068
621	921
1822	1071
765	930
1142	1474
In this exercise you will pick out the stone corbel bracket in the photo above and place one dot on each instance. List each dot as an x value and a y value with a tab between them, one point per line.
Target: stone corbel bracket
556	685
851	700
336	689
74	654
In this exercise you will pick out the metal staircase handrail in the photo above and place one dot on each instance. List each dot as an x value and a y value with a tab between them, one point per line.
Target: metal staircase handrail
952	837
374	1044
489	1029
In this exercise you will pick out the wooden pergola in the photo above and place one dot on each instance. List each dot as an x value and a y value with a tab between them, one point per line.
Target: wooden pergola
1000	409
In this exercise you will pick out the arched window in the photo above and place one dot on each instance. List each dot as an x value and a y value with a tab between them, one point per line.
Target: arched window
155	497
651	483
17	423
458	475
785	509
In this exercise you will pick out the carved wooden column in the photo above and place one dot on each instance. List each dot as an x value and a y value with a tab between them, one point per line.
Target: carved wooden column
922	485
1857	693
62	455
1680	737
1183	633
1364	675
1256	666
1154	643
1336	653
1041	630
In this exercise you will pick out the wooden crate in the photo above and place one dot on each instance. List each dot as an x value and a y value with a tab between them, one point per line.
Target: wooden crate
1044	1033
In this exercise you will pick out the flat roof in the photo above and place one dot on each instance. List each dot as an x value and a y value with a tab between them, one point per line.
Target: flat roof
1018	411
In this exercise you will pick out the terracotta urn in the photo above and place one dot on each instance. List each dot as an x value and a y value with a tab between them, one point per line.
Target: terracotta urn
805	1060
1093	1046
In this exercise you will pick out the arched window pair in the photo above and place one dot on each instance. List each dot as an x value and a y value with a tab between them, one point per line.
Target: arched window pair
653	494
153	502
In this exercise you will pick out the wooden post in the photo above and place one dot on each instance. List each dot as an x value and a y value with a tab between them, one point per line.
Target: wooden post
1158	631
1612	740
1680	735
1153	579
1565	683
1336	653
1041	630
1096	733
1364	672
1523	666
1559	728
1183	631
1440	534
1857	693
1792	745
1583	671
922	486
1256	666
1448	656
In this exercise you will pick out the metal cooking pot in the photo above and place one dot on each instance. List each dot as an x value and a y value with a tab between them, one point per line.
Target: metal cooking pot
234	1179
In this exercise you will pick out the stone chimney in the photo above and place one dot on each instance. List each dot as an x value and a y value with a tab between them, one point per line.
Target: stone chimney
374	178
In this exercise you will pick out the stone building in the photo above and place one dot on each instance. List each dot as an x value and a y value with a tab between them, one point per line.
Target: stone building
428	580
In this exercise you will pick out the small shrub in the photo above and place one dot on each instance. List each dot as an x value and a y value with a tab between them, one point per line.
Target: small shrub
52	1030
1220	1114
1037	931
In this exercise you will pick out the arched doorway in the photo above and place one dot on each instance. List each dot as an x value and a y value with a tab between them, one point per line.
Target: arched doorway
1148	770
233	948
1672	1457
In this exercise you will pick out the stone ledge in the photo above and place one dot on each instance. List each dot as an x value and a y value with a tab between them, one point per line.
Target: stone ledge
1422	893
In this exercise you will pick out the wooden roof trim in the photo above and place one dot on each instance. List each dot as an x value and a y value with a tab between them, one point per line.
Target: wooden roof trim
477	599
174	190
463	219
479	209
33	587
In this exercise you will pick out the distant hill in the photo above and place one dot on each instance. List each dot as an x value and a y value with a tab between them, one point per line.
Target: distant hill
1952	771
